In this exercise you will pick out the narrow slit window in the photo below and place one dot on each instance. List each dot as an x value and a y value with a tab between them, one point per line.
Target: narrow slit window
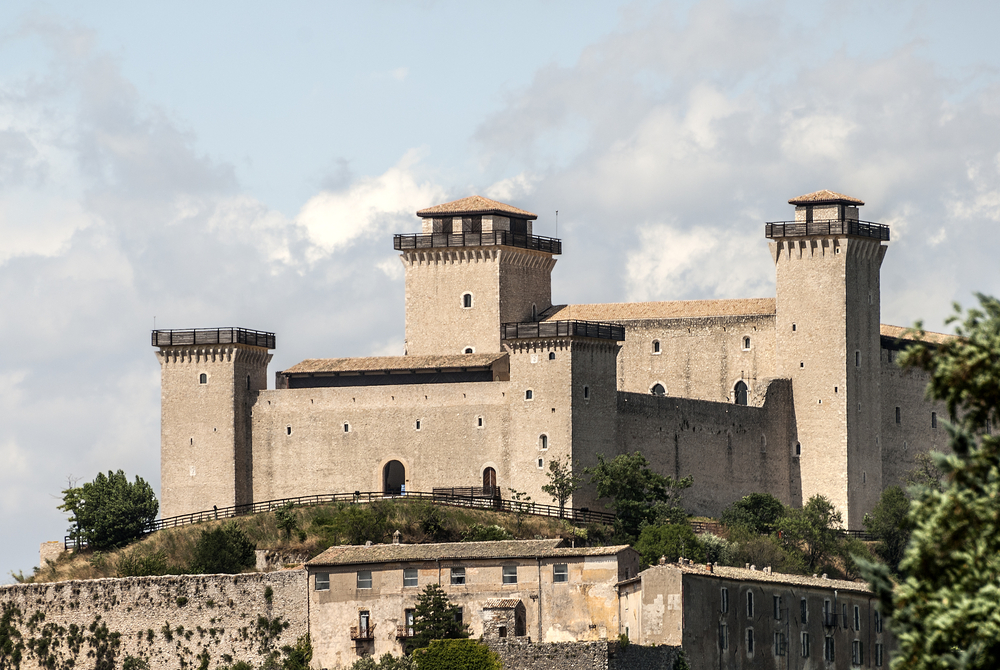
541	463
529	395
793	327
418	424
857	359
798	448
933	419
746	343
750	604
543	441
347	427
248	382
899	416
586	393
749	641
725	600
202	378
656	346
479	422
466	300
288	430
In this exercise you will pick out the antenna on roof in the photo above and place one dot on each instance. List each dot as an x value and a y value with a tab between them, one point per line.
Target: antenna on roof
557	223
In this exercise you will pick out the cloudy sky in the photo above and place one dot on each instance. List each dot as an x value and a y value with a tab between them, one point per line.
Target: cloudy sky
233	163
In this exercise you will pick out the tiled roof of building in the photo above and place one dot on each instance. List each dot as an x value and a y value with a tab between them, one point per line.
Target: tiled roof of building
393	553
501	603
742	574
475	204
899	332
822	197
674	309
384	363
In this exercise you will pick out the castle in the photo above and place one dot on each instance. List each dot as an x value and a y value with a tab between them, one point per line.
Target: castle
794	395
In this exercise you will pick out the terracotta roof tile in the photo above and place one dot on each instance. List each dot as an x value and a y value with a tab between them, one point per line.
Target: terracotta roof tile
675	309
501	603
744	575
899	332
394	553
475	204
824	196
383	363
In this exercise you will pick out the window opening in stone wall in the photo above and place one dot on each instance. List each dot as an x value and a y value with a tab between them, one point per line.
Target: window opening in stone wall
658	389
468	350
543	441
560	572
777	608
541	463
864	477
586	393
798	448
749	641
750	604
288	430
479	422
780	648
828	650
322	581
529	395
347	427
746	343
857	618
933	419
409	577
202	378
510	574
458	576
899	416
857	359
248	382
723	636
878	655
802	364
534	313
878	621
552	355
501	631
829	617
857	652
656	346
489	481
805	644
364	579
466	300
393	478
793	327
459	615
740	393
843	620
725	600
409	618
803	611
418	424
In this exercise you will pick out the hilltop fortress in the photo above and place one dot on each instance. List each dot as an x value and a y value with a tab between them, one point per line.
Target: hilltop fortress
794	395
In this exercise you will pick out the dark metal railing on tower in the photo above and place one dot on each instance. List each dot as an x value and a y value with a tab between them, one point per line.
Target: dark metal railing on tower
490	238
187	336
595	329
776	229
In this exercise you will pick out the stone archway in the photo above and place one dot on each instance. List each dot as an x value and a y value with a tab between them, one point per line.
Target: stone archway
393	478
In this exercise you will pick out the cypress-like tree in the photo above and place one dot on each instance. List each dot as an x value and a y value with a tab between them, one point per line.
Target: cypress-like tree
435	618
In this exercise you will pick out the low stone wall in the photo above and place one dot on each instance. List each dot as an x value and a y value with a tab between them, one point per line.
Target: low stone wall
170	622
524	655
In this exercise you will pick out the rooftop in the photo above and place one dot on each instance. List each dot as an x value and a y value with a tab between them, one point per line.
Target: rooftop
395	553
393	363
475	204
674	309
825	197
744	575
900	333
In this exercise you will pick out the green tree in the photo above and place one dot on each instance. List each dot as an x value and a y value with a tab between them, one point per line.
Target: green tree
813	531
435	618
944	613
457	655
223	550
757	512
285	519
925	473
638	495
888	524
563	482
110	512
297	656
670	540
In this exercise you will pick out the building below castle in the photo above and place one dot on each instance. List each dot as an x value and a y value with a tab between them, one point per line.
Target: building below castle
795	395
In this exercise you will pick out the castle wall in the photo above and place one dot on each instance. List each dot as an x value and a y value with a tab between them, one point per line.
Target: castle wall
525	282
320	456
595	407
730	450
699	358
169	622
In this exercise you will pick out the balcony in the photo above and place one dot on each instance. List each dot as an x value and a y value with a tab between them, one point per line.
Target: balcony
190	336
363	632
593	329
403	632
780	229
491	238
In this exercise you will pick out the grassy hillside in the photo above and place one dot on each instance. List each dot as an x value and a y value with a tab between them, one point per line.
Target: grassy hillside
322	526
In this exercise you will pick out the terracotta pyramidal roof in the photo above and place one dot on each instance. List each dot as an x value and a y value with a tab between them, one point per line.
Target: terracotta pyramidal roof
824	197
475	204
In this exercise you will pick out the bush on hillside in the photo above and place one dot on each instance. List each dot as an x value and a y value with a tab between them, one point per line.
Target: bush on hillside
133	563
457	655
110	512
757	512
481	533
670	540
223	550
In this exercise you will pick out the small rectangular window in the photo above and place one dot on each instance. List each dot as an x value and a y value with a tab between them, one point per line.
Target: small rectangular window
322	581
828	650
528	395
878	655
844	621
723	636
777	608
878	621
586	393
750	604
458	576
725	600
409	577
805	645
510	574
560	572
803	611
418	424
364	579
857	652
899	417
857	618
829	615
857	359
933	419
780	648
749	641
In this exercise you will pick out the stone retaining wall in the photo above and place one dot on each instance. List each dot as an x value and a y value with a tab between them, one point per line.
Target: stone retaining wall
524	655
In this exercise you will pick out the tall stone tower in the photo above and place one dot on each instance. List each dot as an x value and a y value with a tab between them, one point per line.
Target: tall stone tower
827	342
209	382
474	266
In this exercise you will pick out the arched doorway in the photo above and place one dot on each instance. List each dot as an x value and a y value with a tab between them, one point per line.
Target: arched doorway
393	478
489	482
740	392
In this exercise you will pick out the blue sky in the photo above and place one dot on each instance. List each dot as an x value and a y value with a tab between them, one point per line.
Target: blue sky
246	163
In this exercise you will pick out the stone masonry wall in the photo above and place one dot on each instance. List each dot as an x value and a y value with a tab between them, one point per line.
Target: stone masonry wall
525	655
170	622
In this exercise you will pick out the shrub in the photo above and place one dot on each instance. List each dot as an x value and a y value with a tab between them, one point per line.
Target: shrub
297	657
480	533
457	655
285	520
387	662
671	540
135	564
758	512
223	550
717	549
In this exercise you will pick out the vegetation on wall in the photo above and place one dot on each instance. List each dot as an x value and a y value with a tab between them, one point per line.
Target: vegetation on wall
110	512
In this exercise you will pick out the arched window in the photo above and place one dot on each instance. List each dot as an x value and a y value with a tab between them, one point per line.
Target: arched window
658	389
393	478
489	481
466	300
468	350
552	355
202	378
740	393
543	441
656	346
746	343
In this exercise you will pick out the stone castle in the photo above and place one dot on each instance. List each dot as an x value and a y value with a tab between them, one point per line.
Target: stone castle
794	395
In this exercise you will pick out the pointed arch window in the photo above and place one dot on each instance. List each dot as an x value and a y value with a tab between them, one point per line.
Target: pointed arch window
658	389
740	393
